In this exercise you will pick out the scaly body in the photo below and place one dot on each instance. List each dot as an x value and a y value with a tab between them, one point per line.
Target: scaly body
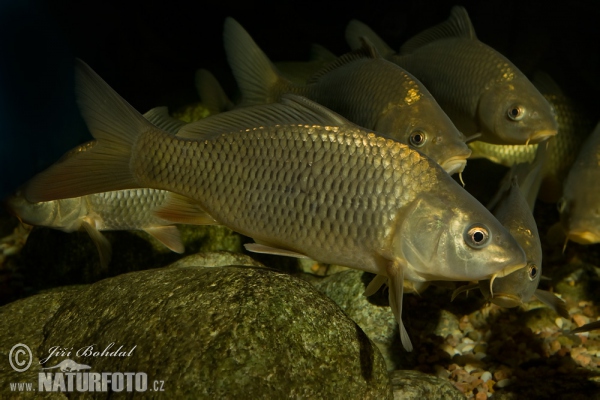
338	194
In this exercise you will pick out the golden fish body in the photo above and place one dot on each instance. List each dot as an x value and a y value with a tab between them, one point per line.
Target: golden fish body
573	125
338	194
480	89
361	86
579	206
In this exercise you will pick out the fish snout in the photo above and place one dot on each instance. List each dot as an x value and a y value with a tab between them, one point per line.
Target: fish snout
454	165
583	236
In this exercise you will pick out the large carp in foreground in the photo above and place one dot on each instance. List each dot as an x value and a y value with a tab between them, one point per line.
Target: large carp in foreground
336	193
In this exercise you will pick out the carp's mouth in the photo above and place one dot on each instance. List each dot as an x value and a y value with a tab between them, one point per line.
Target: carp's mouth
505	300
454	165
540	136
583	237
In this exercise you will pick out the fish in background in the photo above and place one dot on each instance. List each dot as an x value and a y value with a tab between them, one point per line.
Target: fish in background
326	189
363	87
579	206
481	90
574	126
109	211
213	96
133	209
513	205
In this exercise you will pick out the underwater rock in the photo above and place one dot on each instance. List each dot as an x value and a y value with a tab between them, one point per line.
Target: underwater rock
22	322
223	332
215	259
376	319
408	385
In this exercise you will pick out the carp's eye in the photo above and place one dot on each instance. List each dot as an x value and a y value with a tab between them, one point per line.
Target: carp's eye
532	273
561	204
477	236
418	138
516	113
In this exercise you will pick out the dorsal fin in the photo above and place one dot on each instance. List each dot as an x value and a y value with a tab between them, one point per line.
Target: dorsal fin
356	30
257	77
367	50
291	109
545	84
160	117
457	25
320	53
211	93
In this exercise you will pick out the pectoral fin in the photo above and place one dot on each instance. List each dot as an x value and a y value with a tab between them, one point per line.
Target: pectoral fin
265	249
553	301
101	242
587	327
375	285
169	236
396	282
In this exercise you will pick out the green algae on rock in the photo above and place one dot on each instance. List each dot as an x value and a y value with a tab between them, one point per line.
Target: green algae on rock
223	332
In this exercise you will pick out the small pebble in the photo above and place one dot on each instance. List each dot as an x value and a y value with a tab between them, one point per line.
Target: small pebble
503	383
559	322
580	319
486	376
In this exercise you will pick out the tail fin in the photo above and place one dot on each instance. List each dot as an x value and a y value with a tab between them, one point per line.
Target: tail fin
257	77
115	125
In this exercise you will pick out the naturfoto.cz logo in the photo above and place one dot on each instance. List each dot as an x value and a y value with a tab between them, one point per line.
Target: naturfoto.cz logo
69	376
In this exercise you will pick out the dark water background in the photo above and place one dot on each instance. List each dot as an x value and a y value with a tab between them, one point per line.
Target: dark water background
148	52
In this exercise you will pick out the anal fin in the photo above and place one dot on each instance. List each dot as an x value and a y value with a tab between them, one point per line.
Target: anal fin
169	236
102	244
183	210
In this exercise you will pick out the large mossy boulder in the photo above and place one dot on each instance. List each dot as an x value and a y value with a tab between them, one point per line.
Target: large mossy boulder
221	332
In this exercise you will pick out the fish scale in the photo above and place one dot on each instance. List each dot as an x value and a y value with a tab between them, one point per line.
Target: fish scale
127	209
311	163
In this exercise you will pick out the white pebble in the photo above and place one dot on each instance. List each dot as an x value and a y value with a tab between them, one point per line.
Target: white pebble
503	383
450	350
486	376
466	347
559	322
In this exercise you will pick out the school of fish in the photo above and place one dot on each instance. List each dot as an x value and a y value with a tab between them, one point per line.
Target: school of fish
347	162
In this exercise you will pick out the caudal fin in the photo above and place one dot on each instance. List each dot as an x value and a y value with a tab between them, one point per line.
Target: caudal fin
115	124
